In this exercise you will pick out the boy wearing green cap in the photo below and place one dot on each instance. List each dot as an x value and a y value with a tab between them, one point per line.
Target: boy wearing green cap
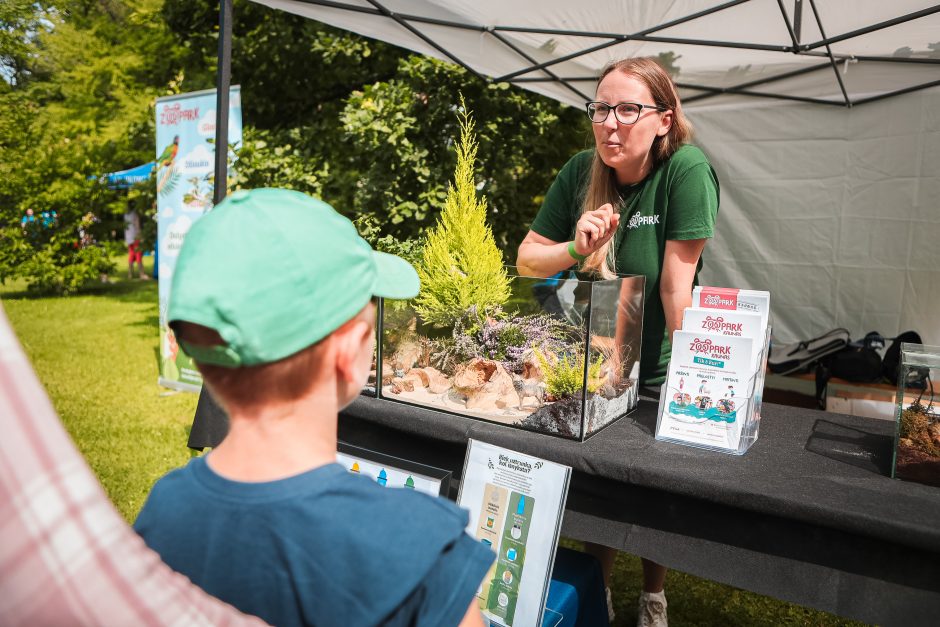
272	298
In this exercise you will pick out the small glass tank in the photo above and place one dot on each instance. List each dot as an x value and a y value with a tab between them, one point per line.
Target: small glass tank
917	436
524	362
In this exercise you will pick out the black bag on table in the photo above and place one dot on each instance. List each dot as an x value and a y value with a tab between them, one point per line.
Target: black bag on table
801	356
860	361
891	363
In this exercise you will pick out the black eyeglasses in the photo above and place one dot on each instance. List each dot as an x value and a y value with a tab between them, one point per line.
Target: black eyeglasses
625	112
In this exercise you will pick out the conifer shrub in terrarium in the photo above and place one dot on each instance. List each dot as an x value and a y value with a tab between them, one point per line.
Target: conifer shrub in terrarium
461	267
552	355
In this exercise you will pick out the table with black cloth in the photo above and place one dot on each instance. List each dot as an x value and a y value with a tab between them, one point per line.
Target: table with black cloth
808	514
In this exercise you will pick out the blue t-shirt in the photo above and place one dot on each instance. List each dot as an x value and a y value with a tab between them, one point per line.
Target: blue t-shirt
325	547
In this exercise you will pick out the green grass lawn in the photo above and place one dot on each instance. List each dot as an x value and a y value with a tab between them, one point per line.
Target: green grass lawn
96	355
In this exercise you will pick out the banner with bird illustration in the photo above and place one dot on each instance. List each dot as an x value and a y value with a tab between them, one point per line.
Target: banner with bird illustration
185	169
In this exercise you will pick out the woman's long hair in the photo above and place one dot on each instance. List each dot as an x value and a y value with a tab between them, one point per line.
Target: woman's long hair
602	184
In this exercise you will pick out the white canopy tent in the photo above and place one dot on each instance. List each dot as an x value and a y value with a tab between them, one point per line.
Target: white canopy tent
832	206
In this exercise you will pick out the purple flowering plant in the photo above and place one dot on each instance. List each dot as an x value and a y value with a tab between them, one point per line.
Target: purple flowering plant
505	338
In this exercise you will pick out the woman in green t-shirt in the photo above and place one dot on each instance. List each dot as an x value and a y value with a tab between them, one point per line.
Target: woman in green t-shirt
643	201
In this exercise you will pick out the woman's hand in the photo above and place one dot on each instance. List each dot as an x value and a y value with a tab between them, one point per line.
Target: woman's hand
595	228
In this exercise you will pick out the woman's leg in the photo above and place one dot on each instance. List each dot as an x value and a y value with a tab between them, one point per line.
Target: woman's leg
654	576
605	555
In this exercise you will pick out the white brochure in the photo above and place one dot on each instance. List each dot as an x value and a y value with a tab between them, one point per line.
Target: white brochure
707	393
731	299
516	504
732	323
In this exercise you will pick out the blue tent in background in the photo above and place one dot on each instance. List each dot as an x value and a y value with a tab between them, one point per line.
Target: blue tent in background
128	178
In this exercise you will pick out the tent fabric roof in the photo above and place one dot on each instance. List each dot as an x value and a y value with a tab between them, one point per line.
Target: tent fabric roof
833	210
754	48
125	179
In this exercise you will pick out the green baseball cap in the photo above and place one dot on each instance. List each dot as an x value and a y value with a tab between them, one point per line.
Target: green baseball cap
274	271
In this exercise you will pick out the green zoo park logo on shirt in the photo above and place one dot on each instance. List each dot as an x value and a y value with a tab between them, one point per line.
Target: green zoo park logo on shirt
637	221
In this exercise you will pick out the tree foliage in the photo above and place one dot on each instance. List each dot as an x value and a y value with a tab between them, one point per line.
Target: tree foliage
363	124
461	267
77	105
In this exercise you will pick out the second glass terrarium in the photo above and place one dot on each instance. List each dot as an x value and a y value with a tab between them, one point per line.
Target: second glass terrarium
917	434
559	356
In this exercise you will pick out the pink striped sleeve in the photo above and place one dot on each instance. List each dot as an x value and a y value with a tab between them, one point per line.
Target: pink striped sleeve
67	557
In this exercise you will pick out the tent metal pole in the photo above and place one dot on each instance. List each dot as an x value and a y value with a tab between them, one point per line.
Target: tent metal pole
624	38
874	27
840	57
754	83
421	19
567	57
712	43
570	79
845	94
616	38
223	83
785	75
653	29
414	31
209	427
717	91
554	77
786	20
797	20
898	92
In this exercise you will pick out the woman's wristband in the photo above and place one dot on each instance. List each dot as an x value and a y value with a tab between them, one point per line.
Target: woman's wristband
575	254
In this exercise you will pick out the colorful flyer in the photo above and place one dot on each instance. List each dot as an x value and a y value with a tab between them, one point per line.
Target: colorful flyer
731	323
706	398
516	504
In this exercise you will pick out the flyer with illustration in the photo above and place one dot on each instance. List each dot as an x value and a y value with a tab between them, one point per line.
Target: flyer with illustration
706	398
516	504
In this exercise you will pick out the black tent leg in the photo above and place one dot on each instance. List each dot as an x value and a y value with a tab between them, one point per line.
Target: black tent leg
210	423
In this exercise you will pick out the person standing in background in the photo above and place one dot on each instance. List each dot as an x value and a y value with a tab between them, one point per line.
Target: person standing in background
135	253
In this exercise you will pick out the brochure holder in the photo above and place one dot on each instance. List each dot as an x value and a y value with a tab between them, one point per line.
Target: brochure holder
742	426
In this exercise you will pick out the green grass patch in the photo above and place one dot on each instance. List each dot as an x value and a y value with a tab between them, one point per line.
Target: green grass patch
96	355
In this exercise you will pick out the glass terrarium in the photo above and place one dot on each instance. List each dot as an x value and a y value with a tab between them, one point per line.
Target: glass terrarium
917	433
557	355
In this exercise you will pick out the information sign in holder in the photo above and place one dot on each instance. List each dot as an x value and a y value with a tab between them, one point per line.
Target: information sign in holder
394	472
516	505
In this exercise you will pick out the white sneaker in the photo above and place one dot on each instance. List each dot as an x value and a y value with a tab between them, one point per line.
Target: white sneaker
610	607
651	611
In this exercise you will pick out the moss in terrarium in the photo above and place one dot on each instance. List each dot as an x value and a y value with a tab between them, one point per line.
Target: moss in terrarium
564	375
915	427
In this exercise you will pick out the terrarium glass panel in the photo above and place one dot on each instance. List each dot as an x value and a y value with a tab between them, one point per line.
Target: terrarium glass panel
917	439
525	362
369	388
